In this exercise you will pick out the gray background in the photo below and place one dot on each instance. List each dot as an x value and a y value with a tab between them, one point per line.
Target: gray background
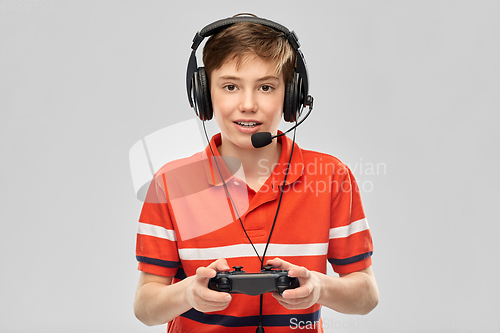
406	92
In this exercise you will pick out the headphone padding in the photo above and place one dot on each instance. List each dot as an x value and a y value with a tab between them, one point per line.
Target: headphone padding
291	103
202	95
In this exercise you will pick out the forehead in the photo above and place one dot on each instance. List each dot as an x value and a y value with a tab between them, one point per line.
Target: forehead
249	65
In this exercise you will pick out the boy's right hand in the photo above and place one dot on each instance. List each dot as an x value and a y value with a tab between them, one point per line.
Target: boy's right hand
199	296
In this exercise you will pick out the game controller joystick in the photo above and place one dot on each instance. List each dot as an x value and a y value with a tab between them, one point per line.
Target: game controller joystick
239	281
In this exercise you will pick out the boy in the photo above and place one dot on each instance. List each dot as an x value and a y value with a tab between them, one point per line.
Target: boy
183	239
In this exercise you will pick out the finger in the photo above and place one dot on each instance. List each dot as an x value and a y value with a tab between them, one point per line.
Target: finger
294	303
208	305
299	272
203	273
297	293
211	306
298	306
219	265
215	296
279	263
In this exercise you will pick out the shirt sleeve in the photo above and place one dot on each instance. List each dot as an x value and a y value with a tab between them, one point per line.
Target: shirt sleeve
350	242
156	247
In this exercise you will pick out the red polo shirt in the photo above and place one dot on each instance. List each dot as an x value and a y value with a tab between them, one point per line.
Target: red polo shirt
189	221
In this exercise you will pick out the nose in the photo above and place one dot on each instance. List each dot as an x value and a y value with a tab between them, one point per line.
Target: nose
248	102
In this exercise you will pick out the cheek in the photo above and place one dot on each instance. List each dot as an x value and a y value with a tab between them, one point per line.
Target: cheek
221	104
277	110
280	101
278	117
222	109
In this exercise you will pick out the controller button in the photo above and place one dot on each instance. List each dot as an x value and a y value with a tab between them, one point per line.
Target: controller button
238	268
268	268
224	285
282	280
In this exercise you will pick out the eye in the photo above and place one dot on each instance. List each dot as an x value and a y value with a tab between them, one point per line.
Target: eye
230	87
266	88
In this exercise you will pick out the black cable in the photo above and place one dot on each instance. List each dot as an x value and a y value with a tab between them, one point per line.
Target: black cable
260	328
229	195
279	202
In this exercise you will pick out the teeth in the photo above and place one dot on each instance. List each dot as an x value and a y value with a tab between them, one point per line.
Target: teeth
247	124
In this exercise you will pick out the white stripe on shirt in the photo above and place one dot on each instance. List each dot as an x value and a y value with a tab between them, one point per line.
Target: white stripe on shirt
246	250
156	231
348	230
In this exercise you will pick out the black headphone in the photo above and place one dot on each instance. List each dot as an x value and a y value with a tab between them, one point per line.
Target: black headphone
198	91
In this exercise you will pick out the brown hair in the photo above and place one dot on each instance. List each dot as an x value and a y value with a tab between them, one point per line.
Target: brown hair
242	39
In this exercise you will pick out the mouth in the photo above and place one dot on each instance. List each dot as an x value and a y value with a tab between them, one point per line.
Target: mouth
248	124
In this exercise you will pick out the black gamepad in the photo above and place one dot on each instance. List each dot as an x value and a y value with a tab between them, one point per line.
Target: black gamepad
239	281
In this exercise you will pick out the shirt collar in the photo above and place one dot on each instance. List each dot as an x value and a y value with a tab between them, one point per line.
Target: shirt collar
214	162
295	170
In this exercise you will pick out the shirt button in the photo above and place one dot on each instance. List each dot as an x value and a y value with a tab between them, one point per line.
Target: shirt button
236	183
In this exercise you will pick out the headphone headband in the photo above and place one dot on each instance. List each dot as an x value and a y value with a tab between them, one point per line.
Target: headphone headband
219	25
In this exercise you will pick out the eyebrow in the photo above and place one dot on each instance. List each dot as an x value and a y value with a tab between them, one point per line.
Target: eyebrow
235	78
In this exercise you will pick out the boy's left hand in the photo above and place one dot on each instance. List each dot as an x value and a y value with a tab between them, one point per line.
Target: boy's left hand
306	295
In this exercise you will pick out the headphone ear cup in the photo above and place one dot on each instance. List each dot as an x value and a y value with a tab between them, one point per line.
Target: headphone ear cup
202	94
291	105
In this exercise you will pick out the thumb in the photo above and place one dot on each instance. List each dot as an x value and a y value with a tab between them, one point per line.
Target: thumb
279	263
220	265
203	273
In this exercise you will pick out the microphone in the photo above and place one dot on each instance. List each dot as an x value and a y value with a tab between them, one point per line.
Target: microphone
262	139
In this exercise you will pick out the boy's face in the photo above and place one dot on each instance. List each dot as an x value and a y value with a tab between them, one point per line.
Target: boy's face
246	100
